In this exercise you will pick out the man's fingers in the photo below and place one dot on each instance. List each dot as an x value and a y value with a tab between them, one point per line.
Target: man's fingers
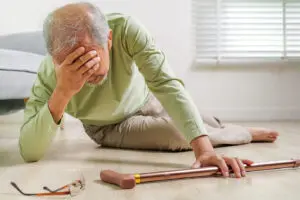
97	79
83	59
89	73
248	162
91	63
96	67
92	78
74	55
222	165
234	165
196	164
242	167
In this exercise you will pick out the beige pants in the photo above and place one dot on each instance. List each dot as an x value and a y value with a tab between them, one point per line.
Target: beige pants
151	129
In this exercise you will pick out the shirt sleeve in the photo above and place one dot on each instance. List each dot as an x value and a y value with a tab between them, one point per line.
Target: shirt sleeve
161	80
38	128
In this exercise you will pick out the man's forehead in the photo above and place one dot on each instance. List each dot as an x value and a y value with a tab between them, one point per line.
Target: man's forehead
85	42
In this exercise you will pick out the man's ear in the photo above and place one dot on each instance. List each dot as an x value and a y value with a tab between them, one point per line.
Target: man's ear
110	37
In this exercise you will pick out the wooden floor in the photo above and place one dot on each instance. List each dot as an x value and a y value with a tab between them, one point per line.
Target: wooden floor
73	153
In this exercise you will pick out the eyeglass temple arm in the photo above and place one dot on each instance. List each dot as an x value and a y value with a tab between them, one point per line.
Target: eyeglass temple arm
19	190
39	194
58	189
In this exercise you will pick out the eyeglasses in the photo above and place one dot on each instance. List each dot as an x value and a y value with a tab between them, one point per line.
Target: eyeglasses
72	189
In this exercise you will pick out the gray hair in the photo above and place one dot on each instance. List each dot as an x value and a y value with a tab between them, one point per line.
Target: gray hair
64	32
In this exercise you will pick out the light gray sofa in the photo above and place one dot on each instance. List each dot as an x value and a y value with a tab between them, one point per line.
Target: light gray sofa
20	57
32	42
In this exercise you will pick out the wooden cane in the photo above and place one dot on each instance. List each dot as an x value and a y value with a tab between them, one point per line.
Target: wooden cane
128	181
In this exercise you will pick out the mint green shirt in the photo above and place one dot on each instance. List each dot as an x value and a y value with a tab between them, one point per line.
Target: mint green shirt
137	67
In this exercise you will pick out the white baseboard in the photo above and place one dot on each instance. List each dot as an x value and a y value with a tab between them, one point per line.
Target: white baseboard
255	114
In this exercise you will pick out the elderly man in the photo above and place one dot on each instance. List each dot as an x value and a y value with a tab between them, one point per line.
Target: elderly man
107	72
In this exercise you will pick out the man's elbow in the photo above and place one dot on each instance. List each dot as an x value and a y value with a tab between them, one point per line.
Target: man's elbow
29	155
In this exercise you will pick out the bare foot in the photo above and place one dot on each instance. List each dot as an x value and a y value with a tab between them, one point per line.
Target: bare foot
263	134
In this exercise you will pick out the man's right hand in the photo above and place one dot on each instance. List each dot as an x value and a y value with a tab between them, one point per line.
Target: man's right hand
71	75
74	71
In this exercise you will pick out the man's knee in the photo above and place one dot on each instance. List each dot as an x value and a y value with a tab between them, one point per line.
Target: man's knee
174	139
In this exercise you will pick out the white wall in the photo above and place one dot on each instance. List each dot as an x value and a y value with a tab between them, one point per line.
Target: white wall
233	94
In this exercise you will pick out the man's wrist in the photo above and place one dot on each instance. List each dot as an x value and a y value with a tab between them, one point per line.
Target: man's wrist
57	104
63	94
201	144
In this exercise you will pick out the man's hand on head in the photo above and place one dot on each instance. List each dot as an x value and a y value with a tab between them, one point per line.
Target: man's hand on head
71	76
75	70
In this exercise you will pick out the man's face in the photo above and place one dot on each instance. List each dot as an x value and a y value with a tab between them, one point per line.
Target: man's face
100	75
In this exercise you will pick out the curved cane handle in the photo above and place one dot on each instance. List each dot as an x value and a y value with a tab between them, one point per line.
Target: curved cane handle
124	181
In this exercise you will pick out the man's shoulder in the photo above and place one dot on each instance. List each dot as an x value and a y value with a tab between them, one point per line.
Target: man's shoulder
115	19
120	20
46	65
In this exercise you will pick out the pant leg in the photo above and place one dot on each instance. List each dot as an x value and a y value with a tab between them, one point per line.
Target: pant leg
229	134
225	134
145	133
148	129
151	129
211	120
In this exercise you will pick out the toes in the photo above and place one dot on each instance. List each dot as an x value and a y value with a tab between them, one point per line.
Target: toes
272	138
275	133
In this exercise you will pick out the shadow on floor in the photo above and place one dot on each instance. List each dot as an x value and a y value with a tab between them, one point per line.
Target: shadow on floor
8	159
114	187
12	158
137	162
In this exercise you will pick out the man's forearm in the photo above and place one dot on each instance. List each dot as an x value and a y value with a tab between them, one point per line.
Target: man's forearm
57	104
39	128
